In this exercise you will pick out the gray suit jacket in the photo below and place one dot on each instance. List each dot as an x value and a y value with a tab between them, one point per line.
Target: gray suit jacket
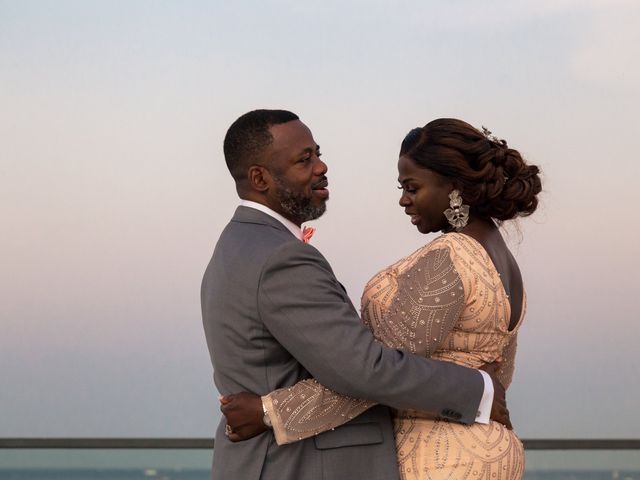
274	314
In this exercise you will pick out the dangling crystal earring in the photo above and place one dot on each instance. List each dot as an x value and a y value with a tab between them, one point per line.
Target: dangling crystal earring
458	214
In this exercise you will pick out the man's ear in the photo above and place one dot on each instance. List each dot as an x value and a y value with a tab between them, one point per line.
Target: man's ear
259	178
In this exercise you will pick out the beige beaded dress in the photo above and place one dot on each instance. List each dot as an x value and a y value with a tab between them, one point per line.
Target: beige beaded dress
445	301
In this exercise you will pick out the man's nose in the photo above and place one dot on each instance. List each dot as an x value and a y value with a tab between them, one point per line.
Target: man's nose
320	168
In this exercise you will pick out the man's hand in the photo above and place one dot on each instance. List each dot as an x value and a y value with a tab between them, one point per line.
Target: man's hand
244	415
499	411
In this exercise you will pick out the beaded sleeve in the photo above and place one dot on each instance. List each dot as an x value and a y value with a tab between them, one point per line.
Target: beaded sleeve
507	362
505	374
428	297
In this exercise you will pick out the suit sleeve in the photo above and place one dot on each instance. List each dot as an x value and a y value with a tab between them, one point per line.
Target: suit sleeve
307	311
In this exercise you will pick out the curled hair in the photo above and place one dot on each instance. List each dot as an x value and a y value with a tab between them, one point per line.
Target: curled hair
494	179
248	136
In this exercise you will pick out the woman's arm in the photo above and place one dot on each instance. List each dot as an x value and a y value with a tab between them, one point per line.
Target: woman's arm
307	409
429	298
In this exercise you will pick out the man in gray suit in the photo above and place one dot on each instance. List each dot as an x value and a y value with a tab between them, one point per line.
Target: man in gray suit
275	314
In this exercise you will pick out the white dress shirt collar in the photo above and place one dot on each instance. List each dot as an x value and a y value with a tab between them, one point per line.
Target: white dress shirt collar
292	227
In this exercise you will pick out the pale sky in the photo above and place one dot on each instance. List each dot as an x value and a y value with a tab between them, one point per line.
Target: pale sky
113	187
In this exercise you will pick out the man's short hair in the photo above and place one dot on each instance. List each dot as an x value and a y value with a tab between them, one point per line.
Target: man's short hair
248	136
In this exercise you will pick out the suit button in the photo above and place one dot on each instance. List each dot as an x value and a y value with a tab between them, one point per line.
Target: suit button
448	413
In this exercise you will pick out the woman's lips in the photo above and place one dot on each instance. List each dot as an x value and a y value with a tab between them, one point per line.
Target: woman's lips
415	219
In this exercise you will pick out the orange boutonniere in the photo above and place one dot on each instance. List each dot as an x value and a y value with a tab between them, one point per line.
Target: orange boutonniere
307	233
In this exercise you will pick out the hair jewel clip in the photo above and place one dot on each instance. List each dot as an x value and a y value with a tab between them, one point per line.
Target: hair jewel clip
493	139
489	136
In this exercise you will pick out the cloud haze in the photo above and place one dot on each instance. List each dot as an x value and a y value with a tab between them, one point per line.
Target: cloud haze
113	188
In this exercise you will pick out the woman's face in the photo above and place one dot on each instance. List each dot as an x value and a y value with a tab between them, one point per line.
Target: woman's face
425	195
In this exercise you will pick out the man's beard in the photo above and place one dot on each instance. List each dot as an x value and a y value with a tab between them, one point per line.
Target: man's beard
297	205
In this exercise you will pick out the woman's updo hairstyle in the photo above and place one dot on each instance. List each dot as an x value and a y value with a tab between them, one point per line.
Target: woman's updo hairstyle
494	180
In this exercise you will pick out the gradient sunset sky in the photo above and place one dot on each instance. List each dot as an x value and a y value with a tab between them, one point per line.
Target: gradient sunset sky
113	187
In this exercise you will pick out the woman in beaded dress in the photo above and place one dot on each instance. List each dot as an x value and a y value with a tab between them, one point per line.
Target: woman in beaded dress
459	298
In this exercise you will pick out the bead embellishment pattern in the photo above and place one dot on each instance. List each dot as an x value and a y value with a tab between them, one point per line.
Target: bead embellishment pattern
445	300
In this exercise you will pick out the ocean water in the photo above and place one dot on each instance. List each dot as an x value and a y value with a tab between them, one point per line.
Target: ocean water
204	474
195	464
91	474
103	474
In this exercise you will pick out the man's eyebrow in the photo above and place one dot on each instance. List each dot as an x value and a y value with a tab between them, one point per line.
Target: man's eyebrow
310	150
